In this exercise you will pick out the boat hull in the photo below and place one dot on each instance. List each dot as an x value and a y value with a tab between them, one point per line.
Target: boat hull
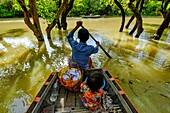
71	102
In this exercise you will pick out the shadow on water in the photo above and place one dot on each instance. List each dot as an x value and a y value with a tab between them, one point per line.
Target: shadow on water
13	33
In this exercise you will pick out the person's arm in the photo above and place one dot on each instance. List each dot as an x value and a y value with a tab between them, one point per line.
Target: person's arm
70	35
96	49
79	23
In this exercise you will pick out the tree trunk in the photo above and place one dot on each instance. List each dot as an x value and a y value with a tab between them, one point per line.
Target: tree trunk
165	23
35	26
132	17
162	27
138	19
59	24
140	10
123	15
130	21
58	13
58	20
133	29
65	13
163	7
33	11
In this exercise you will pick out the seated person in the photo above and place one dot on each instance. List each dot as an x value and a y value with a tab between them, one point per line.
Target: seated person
92	91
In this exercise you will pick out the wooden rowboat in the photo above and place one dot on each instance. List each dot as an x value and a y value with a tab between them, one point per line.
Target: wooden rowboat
92	16
72	102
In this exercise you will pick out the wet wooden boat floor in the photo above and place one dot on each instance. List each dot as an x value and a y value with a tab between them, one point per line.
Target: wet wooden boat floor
70	99
67	102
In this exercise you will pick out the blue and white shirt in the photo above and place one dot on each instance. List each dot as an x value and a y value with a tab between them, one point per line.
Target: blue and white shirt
80	51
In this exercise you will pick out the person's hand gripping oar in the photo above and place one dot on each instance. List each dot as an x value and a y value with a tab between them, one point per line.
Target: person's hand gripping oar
98	43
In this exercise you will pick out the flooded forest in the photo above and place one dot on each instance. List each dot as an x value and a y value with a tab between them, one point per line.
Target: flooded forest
140	65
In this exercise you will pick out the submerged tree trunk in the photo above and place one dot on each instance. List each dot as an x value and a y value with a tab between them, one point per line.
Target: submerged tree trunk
162	27
65	13
130	21
138	18
123	15
58	13
35	25
165	23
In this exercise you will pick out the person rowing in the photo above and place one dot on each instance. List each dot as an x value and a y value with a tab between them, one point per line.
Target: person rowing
81	52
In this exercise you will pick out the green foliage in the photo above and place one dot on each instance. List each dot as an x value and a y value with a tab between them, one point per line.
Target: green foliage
85	7
151	8
17	7
6	8
47	9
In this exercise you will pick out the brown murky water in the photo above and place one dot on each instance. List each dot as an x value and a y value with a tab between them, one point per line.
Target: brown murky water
142	67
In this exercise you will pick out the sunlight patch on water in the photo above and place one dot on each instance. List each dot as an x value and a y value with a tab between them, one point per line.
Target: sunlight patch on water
97	37
161	59
3	72
44	58
60	63
26	66
142	44
65	62
10	71
19	105
144	50
3	48
142	54
49	48
168	38
57	42
24	41
144	35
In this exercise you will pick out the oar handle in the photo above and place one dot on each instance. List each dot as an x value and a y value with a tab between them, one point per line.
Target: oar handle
99	44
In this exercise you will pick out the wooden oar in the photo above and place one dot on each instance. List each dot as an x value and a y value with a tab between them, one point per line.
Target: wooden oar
99	44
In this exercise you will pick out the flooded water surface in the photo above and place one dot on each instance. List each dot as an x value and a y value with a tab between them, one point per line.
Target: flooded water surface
140	65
